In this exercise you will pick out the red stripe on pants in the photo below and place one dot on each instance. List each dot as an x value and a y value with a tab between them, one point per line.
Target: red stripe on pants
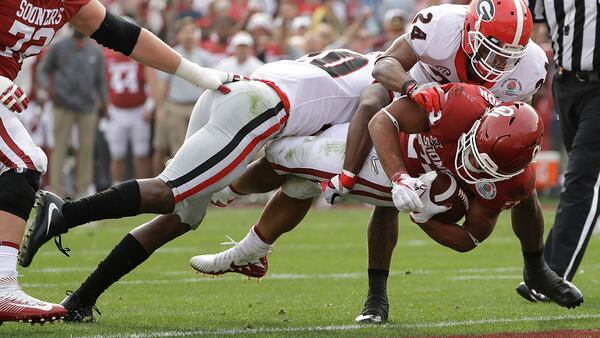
215	178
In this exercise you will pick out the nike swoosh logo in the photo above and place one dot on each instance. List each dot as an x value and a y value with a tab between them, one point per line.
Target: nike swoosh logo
46	307
249	266
52	208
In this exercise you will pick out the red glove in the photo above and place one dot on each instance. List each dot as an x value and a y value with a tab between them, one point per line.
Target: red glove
430	95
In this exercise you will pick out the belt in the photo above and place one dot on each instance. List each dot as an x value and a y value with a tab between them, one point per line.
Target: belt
580	75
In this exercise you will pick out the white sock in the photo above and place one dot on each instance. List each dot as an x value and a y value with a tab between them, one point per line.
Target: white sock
254	246
8	260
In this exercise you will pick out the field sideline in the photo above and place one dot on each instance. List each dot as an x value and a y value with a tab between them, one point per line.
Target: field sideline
316	284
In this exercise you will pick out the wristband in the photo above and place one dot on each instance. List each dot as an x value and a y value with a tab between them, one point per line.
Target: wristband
347	179
397	177
405	86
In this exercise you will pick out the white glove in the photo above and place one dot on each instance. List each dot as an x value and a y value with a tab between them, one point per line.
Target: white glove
206	77
429	209
12	96
224	197
404	192
338	186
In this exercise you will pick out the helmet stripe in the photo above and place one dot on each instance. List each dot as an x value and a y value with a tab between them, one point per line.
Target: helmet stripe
520	17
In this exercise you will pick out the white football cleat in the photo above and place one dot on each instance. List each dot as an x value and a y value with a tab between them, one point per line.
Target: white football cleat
16	305
236	259
370	319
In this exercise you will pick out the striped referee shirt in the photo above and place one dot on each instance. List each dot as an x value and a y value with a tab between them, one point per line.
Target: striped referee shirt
575	31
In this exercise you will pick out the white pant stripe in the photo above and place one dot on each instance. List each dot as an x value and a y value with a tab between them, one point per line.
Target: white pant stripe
586	228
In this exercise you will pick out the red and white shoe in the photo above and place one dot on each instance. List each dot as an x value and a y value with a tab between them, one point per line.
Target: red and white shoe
236	259
16	305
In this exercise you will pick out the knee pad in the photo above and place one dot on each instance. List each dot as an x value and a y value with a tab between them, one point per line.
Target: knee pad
17	194
300	188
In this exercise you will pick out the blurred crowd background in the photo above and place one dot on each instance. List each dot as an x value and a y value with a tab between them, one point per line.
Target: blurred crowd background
102	119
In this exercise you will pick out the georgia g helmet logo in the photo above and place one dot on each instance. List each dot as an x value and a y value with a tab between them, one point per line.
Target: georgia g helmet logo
486	10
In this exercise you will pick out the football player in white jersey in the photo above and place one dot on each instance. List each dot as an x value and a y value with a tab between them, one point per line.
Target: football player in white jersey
285	98
485	43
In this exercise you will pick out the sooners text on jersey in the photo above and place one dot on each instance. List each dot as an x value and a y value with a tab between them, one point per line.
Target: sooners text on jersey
435	36
26	26
435	148
126	80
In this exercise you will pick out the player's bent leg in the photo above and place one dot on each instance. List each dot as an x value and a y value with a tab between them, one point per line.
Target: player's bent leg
55	217
132	251
240	124
16	199
382	238
249	256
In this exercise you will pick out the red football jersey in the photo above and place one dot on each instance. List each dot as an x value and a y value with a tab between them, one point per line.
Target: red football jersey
26	26
126	80
435	149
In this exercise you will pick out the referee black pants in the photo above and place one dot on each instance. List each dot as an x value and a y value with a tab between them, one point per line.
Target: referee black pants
578	105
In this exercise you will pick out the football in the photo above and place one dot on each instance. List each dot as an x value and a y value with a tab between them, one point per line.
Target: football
445	190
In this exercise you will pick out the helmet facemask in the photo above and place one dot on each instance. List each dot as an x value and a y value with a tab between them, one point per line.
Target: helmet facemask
490	61
483	169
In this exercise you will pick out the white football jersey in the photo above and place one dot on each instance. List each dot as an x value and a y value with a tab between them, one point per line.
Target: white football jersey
323	88
435	36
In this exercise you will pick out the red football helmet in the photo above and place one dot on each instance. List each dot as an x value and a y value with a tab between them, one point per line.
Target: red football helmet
500	144
495	36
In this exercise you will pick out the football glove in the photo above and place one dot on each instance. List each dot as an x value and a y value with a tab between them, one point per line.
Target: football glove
338	186
12	96
206	77
430	96
429	209
404	192
224	197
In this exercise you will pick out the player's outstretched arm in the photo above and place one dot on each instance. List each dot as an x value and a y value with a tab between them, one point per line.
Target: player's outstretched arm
479	224
140	44
391	70
384	128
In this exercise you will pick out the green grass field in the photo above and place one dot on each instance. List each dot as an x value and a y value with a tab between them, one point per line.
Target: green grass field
316	284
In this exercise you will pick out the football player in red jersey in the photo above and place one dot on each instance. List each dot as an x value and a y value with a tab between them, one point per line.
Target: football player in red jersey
486	43
26	26
487	146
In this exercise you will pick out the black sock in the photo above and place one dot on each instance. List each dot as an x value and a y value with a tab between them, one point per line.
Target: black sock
534	259
122	200
125	257
378	281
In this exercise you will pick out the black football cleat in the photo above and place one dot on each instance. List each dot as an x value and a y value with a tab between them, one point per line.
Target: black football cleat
78	310
375	311
531	295
547	283
47	223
